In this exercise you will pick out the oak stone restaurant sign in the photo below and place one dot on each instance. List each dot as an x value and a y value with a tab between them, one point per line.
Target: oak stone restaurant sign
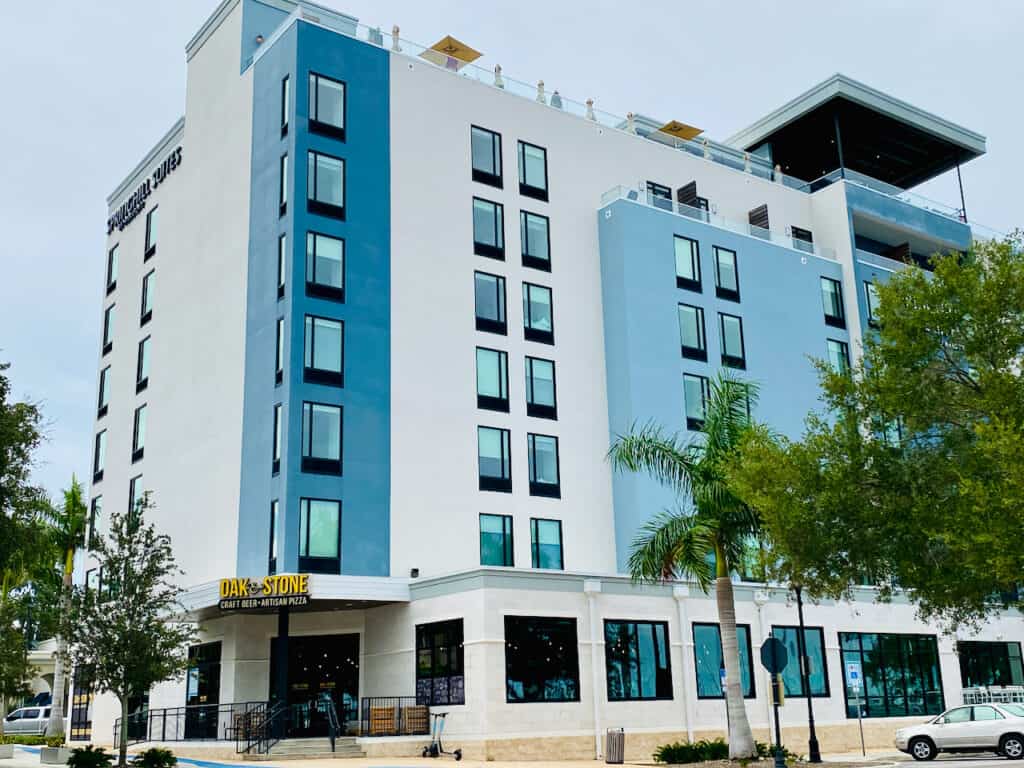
287	590
136	202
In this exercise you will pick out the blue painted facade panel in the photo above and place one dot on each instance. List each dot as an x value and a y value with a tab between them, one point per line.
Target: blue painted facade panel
258	19
881	207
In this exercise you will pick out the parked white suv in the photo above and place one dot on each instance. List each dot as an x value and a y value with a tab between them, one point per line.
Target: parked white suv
978	728
27	720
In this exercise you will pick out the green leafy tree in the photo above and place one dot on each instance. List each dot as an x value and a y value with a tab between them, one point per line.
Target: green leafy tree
129	634
913	477
15	670
717	526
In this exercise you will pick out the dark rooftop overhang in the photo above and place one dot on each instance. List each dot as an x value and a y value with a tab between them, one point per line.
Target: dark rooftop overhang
881	136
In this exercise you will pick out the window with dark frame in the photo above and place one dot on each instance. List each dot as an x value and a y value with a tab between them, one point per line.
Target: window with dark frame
838	355
533	171
326	106
282	189
103	401
727	276
489	293
488	229
637	663
709	661
275	508
108	329
95	515
871	301
485	152
285	104
542	456
535	238
496	544
99	456
494	459
803	240
276	453
325	185
321	438
538	322
989	663
817	668
541	659
142	366
319	535
282	263
692	337
901	674
541	397
440	676
832	302
492	379
146	311
733	350
696	393
135	494
279	353
324	360
687	254
112	269
152	218
139	433
325	266
546	544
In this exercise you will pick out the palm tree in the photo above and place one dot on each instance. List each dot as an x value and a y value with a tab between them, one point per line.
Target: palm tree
679	544
67	529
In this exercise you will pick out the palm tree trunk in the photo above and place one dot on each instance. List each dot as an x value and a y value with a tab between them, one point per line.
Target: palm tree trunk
741	740
55	725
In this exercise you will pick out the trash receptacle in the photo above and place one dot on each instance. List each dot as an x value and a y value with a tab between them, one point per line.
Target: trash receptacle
615	746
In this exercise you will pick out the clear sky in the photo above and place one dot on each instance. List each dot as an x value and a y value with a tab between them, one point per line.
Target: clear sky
89	87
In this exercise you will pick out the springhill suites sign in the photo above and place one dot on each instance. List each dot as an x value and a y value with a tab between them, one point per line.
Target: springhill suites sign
136	202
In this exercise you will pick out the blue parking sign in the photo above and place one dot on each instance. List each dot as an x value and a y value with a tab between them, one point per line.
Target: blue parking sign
853	674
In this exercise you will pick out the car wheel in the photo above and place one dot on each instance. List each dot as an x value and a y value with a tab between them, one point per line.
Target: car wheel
922	749
1012	746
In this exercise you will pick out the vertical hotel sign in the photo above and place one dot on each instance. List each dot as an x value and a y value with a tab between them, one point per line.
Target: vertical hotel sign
136	202
286	590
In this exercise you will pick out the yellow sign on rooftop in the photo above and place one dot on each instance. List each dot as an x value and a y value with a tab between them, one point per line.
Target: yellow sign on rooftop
681	130
449	52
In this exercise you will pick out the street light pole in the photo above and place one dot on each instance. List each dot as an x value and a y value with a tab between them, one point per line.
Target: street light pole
813	753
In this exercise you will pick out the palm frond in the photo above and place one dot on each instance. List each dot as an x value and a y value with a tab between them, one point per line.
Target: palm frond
670	546
649	449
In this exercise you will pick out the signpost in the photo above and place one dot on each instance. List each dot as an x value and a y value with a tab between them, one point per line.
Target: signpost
855	682
774	658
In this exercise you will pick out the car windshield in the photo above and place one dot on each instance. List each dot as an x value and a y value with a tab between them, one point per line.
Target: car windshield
1017	710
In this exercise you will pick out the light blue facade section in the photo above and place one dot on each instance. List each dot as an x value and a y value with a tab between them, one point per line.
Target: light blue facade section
905	216
258	20
783	328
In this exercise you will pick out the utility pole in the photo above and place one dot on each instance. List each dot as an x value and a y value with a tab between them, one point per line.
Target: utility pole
813	752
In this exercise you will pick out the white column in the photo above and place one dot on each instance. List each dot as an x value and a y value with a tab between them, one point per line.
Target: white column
680	592
592	588
761	599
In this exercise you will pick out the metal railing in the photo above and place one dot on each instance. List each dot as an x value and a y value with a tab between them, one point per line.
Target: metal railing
199	722
394	716
994	694
263	728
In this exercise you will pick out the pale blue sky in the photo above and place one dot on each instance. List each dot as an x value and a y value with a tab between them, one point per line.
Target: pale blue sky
90	87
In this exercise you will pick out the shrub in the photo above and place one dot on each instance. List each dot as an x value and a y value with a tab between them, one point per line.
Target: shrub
32	740
155	757
90	757
764	751
54	741
697	752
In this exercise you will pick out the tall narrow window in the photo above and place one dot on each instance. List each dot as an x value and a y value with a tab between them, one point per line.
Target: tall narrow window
282	264
326	106
817	669
538	324
325	185
276	453
151	231
108	329
496	540
490	303
282	190
142	366
838	355
275	508
279	352
696	391
542	451
104	394
727	277
319	535
440	676
687	263
148	283
139	433
691	333
112	269
95	515
488	228
710	663
535	237
832	302
325	266
541	659
540	388
285	104
485	148
494	459
134	494
733	351
637	665
99	457
321	438
871	300
325	351
491	379
546	544
533	171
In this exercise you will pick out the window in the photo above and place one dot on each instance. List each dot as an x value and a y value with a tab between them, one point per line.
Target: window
104	396
135	494
832	302
537	315
535	237
321	438
95	515
540	388
803	240
636	659
494	459
691	333
733	353
325	266
282	264
275	508
112	269
319	535
326	106
325	355
659	195
490	303
838	355
108	329
491	379
817	668
687	263
958	715
139	433
279	353
541	659
99	456
533	171
542	452
151	232
278	426
727	279
148	282
901	674
285	104
439	664
696	393
496	540
282	192
142	366
710	664
485	147
546	544
980	713
989	663
488	229
325	185
871	300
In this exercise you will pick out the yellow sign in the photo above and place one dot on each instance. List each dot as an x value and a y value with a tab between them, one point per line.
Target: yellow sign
450	53
282	590
681	130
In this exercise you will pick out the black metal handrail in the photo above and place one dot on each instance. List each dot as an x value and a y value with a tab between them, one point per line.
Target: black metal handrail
195	722
394	716
264	727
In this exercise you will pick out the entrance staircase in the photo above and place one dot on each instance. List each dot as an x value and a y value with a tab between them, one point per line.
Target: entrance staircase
309	749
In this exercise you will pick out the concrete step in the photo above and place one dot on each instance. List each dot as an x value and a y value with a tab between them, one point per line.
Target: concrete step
310	749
